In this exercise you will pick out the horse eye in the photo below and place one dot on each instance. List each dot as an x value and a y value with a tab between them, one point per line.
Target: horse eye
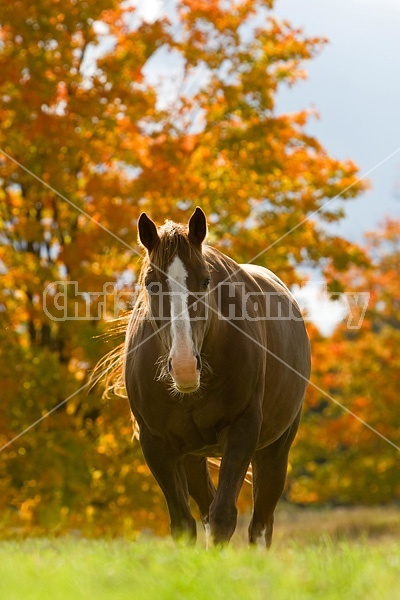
152	287
206	283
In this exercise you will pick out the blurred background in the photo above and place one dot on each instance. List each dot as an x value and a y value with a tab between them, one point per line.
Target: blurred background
280	119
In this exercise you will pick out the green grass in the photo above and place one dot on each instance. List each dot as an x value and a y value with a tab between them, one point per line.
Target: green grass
80	569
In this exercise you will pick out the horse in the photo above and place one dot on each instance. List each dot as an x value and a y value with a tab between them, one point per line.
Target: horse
216	362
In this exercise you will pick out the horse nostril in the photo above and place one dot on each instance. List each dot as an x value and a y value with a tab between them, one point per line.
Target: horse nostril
198	361
169	365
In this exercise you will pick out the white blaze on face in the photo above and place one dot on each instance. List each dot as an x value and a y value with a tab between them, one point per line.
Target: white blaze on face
181	333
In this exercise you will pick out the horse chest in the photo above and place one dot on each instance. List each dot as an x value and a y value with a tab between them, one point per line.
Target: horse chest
185	436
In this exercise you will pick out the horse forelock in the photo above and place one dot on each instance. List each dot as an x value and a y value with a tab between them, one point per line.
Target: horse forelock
173	240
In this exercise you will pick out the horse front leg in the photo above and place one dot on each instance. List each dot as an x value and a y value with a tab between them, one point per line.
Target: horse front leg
201	487
239	443
168	470
269	476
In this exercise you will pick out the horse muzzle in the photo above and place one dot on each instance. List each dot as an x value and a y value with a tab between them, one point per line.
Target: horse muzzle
185	373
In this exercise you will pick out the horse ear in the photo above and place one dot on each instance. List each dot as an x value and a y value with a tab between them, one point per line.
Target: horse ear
197	227
148	235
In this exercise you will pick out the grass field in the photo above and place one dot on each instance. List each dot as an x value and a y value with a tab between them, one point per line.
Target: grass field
323	566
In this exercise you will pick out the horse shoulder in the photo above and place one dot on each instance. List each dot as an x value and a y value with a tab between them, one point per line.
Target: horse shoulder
267	279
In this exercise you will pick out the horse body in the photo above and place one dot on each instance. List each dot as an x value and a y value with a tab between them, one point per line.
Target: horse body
247	407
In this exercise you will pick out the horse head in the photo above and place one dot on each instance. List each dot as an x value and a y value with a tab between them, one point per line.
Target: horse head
177	280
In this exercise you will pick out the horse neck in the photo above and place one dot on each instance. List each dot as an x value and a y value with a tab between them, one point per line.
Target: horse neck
215	330
228	270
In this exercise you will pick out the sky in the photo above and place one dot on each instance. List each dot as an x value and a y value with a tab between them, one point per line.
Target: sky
355	86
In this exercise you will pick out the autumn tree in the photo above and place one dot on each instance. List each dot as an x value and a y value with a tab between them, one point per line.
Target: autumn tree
348	448
68	129
86	145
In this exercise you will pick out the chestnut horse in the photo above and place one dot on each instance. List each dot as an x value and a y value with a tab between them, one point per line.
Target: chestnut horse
216	363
